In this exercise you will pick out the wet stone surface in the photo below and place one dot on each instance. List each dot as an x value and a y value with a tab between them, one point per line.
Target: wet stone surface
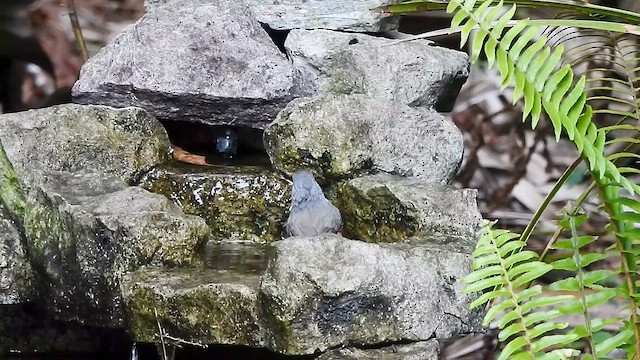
217	304
242	257
241	203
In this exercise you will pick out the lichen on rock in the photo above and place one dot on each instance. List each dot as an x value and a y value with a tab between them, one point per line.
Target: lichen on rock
16	274
342	136
388	208
197	306
242	204
65	184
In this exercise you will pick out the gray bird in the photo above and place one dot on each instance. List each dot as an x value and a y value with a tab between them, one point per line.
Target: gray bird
311	213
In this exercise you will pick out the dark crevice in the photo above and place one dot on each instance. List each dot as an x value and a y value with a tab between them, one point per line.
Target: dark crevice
378	346
218	352
202	139
384	344
419	24
277	36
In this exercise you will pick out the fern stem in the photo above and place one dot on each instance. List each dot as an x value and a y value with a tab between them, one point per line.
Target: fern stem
514	296
580	278
583	7
627	261
547	200
574	212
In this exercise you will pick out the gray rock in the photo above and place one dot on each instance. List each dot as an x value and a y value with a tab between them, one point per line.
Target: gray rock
387	208
214	305
346	15
193	306
152	4
202	61
415	73
85	239
64	178
343	135
423	350
77	138
245	204
325	291
16	275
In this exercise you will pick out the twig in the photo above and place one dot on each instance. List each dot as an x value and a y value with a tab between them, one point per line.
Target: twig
77	31
161	332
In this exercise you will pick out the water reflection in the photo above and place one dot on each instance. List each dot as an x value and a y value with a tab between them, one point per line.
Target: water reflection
242	257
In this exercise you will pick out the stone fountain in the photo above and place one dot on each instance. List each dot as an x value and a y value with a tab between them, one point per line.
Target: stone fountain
101	226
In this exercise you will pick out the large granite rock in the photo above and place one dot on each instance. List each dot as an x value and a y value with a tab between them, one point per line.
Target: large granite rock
317	293
322	292
388	208
82	139
344	135
416	73
237	203
203	61
65	178
214	305
346	15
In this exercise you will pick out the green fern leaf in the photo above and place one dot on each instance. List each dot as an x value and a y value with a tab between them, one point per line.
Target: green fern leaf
544	328
545	301
487	296
513	346
554	340
605	347
540	316
484	284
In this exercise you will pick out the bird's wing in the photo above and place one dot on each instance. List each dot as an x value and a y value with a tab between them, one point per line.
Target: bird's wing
329	220
314	221
300	223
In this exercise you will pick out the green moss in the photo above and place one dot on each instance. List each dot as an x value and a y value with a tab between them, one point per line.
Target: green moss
343	80
375	215
206	313
249	205
11	188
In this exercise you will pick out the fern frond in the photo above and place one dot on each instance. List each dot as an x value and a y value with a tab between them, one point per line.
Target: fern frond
590	10
531	67
591	288
544	83
501	270
624	219
610	63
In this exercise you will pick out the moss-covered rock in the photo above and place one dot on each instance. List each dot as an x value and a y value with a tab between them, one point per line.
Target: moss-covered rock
197	306
342	136
237	203
79	138
326	291
64	182
388	208
16	275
